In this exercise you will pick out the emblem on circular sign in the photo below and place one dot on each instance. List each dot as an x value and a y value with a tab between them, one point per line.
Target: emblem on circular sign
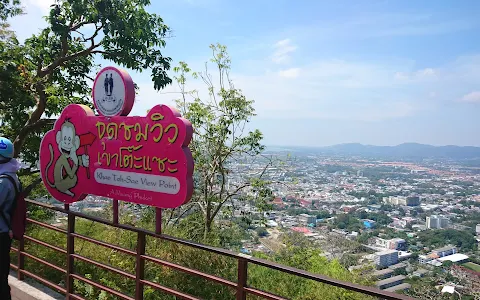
113	92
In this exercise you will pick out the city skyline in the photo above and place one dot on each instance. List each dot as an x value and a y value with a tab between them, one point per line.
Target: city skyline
373	72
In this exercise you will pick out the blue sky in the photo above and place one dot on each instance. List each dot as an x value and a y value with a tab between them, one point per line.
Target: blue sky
326	72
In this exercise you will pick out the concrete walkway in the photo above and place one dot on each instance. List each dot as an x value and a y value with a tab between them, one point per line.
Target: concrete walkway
30	290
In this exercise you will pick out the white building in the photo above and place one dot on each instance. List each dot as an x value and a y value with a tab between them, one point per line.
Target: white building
386	258
477	229
435	221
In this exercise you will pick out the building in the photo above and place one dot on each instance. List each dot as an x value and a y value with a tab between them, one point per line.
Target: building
383	274
400	287
401	200
393	244
386	258
399	266
435	221
445	251
307	219
477	229
424	259
390	282
455	258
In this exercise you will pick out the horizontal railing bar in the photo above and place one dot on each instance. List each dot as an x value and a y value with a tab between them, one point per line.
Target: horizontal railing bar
44	281
59	269
47	206
327	280
263	294
48	226
101	286
100	243
168	290
189	271
183	242
75	296
268	264
12	266
13	249
104	266
39	242
153	234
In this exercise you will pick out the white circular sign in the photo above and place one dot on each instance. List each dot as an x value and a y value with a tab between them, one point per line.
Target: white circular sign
111	92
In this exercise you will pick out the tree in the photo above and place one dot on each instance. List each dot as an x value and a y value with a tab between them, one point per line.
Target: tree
220	139
9	8
53	68
261	232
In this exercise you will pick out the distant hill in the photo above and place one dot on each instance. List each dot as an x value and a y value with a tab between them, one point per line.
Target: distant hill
405	151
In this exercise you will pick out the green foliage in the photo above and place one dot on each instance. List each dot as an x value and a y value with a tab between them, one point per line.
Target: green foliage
299	253
54	67
9	8
442	237
220	138
261	231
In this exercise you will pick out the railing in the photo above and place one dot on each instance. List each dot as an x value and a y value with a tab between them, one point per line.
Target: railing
241	287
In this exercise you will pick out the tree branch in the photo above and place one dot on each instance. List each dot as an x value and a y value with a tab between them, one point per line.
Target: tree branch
64	58
219	206
29	188
34	120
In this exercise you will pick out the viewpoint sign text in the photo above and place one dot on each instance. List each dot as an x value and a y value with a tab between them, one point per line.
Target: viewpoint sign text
144	160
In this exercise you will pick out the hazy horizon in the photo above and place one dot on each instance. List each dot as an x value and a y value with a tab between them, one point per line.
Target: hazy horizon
349	143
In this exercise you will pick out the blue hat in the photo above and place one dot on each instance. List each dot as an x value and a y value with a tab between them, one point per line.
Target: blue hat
6	148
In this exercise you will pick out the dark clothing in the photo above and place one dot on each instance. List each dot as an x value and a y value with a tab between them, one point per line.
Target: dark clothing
110	83
105	84
7	199
5	244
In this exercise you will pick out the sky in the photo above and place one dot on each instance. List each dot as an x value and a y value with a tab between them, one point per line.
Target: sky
378	72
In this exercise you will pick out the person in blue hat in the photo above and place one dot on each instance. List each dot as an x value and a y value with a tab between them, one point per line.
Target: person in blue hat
8	168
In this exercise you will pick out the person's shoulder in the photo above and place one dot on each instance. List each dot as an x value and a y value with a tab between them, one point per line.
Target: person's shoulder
5	178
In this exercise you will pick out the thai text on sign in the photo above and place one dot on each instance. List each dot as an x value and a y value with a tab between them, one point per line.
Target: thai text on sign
144	160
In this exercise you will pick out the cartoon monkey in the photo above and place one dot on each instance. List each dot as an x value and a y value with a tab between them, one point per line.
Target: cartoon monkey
66	166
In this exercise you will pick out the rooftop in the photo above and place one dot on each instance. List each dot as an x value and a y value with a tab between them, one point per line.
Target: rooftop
446	248
390	280
402	286
454	257
382	272
386	252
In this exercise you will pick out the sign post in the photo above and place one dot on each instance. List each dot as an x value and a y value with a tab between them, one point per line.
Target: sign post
143	160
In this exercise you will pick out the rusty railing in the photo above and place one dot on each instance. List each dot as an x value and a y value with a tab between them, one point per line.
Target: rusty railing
241	287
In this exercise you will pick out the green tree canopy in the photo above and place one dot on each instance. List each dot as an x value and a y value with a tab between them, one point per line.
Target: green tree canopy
53	68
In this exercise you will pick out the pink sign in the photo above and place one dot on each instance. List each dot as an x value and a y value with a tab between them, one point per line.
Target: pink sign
144	160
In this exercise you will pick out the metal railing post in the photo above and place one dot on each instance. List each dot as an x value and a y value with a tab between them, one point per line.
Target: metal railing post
158	220
140	268
242	278
20	259
70	252
115	211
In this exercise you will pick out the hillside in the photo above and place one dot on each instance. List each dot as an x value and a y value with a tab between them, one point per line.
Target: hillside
403	151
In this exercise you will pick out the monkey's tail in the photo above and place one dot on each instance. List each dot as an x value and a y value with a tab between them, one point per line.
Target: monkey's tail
49	165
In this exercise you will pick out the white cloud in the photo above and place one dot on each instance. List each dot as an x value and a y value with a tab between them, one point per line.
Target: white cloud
473	97
283	50
290	73
43	5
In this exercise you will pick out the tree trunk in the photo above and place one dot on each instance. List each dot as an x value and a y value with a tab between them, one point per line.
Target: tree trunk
27	190
208	222
33	122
